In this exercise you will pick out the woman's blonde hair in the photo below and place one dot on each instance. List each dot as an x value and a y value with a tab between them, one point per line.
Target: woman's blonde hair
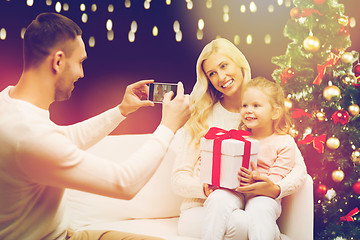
204	95
276	95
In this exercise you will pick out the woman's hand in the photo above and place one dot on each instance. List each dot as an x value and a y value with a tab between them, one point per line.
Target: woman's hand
261	185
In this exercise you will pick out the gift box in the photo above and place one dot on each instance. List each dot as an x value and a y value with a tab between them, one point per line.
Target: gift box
223	153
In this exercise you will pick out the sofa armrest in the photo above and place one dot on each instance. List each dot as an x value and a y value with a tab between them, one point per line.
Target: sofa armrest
297	218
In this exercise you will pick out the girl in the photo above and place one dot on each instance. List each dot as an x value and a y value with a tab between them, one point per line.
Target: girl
263	113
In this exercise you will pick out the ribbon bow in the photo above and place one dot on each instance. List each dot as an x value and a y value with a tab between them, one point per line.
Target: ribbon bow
308	11
318	142
331	61
298	112
219	135
348	217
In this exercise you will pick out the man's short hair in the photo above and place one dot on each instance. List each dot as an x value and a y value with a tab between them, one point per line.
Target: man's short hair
44	33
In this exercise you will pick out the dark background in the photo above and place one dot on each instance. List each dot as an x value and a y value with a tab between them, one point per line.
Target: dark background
112	65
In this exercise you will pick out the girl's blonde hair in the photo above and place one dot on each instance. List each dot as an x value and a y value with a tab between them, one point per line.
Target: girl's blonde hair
204	95
276	95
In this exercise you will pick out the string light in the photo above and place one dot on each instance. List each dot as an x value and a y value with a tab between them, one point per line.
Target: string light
110	8
84	18
168	2
155	31
92	41
127	3
3	34
82	7
249	39
93	7
271	8
242	8
209	3
237	39
30	3
58	7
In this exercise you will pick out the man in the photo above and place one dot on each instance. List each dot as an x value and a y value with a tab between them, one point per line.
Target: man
39	159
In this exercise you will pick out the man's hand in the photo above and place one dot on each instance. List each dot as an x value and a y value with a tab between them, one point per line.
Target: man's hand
175	112
135	97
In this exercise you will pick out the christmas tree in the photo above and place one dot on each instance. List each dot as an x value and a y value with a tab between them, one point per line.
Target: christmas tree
321	80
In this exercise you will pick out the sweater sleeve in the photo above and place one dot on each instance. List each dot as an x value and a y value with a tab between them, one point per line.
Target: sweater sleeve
53	160
295	179
184	181
86	133
285	158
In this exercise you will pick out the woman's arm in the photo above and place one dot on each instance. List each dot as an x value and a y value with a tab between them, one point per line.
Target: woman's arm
185	181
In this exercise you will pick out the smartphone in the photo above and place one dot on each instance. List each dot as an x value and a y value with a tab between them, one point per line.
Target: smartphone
157	91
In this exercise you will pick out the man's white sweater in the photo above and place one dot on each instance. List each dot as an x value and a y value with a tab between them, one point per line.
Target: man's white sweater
39	159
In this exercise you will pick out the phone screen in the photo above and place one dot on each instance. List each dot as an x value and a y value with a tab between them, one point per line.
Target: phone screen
157	91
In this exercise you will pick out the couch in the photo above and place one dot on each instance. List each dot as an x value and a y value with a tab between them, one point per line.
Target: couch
155	209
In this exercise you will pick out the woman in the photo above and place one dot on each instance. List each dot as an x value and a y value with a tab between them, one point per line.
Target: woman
222	70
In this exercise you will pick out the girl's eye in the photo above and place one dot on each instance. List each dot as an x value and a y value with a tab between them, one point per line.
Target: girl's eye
211	74
244	106
256	105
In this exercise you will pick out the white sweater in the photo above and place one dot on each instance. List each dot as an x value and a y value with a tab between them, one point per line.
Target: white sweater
186	174
39	159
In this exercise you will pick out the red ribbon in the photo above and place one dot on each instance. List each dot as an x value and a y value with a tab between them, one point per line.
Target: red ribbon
348	217
331	61
219	135
298	112
308	11
318	142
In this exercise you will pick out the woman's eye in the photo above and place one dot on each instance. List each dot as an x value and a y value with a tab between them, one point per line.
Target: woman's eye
211	74
224	65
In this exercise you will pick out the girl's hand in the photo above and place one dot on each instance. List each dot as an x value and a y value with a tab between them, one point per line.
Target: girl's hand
247	177
208	189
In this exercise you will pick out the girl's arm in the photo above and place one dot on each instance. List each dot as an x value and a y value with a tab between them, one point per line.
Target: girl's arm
288	185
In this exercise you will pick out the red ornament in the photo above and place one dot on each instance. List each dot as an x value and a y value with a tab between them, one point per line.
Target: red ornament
321	190
340	116
286	75
294	12
357	70
319	2
356	188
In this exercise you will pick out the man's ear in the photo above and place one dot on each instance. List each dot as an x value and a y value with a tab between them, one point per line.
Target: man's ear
58	61
276	113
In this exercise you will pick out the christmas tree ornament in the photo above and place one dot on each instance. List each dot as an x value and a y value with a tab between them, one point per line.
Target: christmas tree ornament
319	2
293	132
320	116
286	75
349	79
347	57
318	142
311	44
355	156
321	190
288	104
337	175
294	12
331	91
354	109
330	194
333	143
356	187
340	116
331	60
343	20
356	70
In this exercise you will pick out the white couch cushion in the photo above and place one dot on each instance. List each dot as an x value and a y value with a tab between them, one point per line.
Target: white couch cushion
155	200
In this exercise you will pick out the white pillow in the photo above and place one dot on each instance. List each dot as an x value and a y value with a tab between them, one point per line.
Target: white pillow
155	200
